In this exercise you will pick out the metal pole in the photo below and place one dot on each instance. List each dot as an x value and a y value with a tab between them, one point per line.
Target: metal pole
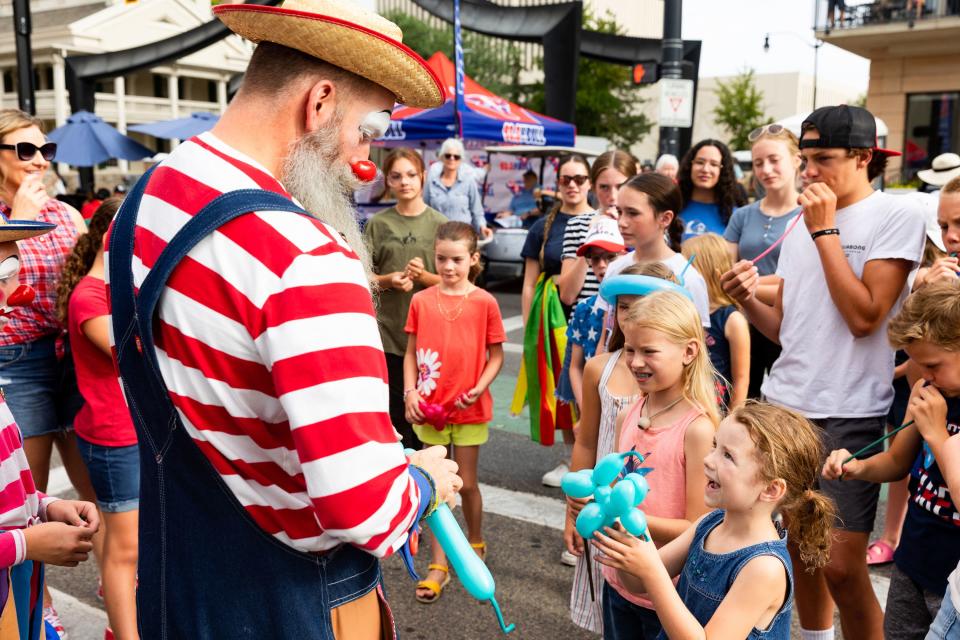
671	65
21	29
816	62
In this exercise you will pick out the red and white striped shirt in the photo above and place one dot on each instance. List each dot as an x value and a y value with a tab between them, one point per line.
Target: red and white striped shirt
21	505
268	344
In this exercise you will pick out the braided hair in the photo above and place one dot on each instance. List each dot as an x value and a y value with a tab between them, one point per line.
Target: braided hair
78	263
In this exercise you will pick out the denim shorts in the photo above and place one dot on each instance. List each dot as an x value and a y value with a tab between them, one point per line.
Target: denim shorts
946	626
40	389
115	475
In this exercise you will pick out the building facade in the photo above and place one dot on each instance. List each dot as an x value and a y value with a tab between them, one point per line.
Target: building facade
914	73
63	28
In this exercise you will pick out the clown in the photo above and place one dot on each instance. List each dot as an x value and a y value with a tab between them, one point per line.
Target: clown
34	529
271	477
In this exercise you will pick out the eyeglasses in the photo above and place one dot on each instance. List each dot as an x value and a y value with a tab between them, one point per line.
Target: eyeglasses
602	257
566	180
27	150
451	156
772	129
700	163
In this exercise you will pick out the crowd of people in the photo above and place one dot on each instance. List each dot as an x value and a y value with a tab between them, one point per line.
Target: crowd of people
229	368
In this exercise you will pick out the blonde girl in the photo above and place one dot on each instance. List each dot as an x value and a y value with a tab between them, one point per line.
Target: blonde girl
728	336
674	419
736	578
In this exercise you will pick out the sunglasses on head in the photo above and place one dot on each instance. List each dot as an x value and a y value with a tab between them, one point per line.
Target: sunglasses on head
772	129
451	156
566	180
27	150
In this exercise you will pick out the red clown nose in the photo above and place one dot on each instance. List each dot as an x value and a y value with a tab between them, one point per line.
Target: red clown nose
24	294
365	170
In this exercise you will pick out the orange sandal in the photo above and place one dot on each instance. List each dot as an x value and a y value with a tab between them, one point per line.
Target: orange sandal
435	587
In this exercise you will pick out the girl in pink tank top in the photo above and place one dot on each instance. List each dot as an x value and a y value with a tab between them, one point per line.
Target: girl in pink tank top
674	420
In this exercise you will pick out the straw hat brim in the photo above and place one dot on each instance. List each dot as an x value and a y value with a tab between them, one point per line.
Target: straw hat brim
23	229
369	54
938	178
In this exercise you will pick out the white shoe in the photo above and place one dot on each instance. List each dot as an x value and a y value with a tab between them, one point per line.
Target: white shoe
552	478
568	558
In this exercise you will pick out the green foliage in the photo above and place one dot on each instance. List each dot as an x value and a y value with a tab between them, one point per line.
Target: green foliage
606	99
740	108
494	64
861	100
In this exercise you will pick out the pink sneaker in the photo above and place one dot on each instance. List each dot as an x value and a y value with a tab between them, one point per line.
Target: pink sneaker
50	615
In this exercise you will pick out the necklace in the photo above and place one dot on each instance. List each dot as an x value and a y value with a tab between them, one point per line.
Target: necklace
456	312
644	422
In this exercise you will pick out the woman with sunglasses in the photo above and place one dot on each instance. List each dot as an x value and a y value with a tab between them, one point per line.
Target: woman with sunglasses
753	228
36	368
709	188
453	192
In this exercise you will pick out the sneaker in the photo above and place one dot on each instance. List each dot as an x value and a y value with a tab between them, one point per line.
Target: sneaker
568	558
552	478
51	617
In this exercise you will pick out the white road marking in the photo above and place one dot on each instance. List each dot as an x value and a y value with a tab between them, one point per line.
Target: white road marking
58	482
511	347
81	621
512	323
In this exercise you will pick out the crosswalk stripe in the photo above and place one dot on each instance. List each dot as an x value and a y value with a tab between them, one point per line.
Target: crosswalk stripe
512	323
82	621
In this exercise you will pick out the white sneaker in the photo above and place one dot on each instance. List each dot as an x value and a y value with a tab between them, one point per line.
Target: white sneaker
552	478
568	558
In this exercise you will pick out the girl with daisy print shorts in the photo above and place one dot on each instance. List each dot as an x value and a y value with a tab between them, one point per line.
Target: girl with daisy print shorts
454	352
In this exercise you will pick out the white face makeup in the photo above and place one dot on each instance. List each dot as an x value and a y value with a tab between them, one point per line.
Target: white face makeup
9	267
374	125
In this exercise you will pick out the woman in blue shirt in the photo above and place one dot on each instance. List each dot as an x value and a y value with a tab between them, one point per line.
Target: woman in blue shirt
709	187
453	192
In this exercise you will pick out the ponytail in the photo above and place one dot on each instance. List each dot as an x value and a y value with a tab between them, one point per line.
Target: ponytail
810	517
675	232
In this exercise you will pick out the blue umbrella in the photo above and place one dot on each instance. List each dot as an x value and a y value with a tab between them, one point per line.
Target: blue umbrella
86	141
179	128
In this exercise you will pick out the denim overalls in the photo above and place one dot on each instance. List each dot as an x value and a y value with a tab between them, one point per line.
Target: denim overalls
707	577
206	570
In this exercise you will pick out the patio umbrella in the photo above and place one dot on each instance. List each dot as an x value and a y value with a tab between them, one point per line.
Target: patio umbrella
86	141
179	128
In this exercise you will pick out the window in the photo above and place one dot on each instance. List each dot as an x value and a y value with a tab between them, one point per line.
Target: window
933	127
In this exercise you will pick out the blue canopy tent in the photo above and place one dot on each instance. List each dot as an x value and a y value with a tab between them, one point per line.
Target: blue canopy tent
86	141
485	117
179	128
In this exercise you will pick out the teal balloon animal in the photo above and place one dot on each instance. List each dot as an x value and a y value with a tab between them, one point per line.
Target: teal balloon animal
609	504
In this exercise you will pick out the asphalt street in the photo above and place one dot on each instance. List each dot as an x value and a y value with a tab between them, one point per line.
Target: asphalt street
521	525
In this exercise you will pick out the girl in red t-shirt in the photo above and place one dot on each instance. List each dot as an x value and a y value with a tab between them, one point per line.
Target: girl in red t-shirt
454	352
105	432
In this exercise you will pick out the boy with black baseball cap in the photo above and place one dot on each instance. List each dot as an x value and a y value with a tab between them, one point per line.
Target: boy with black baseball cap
841	282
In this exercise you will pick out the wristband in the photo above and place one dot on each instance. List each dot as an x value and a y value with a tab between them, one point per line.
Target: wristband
407	392
825	232
435	497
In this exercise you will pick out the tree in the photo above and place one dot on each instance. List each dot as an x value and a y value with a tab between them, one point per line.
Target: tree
607	103
740	108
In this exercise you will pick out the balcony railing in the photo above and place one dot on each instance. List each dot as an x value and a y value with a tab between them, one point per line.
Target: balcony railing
853	14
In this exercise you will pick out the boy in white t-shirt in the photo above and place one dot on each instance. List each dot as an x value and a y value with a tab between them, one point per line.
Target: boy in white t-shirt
841	282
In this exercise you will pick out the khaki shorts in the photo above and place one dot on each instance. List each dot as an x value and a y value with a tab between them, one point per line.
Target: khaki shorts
463	435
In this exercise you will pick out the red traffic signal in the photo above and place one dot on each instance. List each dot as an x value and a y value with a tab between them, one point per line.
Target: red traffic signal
647	72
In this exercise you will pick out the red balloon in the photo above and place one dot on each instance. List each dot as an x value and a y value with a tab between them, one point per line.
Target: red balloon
365	170
24	294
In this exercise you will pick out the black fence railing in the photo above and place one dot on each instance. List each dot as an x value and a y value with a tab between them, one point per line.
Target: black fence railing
852	14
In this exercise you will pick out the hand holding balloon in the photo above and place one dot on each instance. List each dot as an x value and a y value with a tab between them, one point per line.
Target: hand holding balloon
622	551
609	504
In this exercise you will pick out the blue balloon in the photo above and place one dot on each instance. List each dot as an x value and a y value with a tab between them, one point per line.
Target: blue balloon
641	486
634	522
607	469
622	498
590	519
637	285
577	485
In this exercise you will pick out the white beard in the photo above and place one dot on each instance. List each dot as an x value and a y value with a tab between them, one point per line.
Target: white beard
314	173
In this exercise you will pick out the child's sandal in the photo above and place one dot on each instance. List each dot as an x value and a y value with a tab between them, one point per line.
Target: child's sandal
435	587
480	548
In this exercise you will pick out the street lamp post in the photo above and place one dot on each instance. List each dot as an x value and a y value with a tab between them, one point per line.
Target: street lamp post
815	45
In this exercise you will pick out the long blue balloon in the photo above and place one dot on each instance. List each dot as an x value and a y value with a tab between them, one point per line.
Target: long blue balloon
637	285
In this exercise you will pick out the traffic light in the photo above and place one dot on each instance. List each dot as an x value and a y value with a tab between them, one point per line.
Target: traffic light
646	72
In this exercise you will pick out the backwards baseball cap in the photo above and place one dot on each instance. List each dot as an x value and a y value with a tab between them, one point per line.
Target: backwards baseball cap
603	234
843	127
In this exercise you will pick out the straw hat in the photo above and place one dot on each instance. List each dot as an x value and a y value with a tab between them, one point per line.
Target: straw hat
944	168
344	35
14	230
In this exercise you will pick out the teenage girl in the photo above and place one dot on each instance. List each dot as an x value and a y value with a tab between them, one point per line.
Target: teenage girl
648	206
710	189
753	228
736	578
454	352
542	253
608	387
105	432
674	419
728	337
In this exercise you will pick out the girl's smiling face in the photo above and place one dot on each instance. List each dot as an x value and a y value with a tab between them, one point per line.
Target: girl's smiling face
14	170
454	261
732	469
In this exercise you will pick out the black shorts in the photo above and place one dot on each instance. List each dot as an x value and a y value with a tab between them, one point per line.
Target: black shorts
856	500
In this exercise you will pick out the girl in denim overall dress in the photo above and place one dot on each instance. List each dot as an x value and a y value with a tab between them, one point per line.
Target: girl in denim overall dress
736	578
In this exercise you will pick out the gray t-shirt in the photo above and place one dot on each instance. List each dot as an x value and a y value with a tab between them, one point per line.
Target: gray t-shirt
754	231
